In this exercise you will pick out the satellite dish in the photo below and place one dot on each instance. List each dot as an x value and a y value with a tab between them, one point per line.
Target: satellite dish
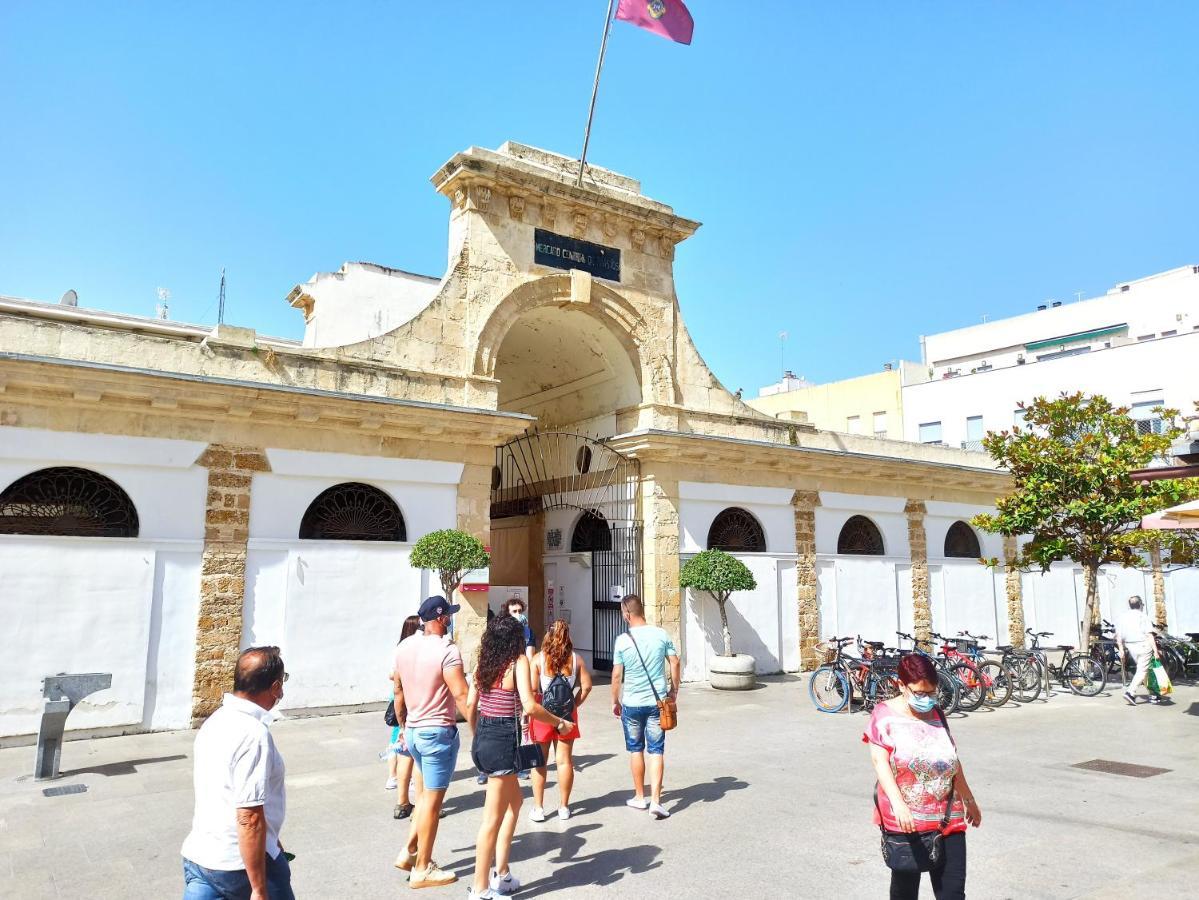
70	298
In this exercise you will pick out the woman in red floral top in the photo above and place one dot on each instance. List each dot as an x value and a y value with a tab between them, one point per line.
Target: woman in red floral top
916	761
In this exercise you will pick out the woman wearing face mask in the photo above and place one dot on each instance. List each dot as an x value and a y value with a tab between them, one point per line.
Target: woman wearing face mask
919	773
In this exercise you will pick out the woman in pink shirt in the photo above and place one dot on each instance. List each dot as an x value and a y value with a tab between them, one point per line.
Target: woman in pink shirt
919	776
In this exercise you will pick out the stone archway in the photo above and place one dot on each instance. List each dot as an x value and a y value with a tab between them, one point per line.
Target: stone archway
554	298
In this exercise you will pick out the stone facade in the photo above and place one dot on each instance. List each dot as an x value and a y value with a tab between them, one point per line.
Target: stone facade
804	504
1159	586
922	616
1014	591
231	471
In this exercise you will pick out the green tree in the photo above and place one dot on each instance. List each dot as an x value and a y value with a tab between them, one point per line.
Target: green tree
1073	494
717	573
452	553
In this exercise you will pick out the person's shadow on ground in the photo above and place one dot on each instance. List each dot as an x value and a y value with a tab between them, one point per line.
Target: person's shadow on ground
712	791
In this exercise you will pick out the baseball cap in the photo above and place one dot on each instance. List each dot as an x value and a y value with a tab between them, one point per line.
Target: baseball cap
435	607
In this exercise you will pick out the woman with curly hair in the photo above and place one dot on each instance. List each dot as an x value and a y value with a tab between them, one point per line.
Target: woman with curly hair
563	684
502	690
399	761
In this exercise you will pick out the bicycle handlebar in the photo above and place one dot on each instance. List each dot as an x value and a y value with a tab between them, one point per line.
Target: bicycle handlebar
1038	633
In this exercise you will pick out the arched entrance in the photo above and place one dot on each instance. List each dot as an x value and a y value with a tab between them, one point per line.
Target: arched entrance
582	497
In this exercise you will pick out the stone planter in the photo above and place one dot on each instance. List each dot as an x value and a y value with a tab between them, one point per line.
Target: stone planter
731	673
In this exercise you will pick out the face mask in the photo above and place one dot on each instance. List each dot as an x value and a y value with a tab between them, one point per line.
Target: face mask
921	704
520	617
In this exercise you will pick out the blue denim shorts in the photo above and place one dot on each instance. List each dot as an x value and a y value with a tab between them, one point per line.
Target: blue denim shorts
435	752
642	729
200	883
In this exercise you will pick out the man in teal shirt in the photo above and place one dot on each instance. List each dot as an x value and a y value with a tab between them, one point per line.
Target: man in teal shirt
640	659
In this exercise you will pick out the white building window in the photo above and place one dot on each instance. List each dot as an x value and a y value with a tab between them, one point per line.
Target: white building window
1148	421
853	424
974	433
930	432
880	424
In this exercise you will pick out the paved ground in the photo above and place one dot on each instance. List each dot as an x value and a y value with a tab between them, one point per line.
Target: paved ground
770	800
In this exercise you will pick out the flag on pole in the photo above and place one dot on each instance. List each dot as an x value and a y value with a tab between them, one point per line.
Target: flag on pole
668	18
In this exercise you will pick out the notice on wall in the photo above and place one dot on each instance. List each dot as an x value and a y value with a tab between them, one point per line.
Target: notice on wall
561	252
549	603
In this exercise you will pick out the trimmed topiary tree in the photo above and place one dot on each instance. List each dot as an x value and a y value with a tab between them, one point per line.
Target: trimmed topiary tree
452	553
718	574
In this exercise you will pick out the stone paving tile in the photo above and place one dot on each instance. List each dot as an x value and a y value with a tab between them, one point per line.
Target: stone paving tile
771	800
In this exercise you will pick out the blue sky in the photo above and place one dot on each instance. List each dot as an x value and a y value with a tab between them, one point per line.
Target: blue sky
865	171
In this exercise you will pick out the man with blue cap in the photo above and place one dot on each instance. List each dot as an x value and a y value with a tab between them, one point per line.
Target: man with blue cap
429	682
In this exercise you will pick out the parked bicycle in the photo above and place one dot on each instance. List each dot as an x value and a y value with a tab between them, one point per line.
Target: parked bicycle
1026	675
836	681
1077	671
995	679
1179	655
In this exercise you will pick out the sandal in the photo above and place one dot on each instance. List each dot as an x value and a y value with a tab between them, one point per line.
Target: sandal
403	810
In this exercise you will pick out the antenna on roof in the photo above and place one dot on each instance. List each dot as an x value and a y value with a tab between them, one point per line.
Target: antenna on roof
162	310
220	308
1078	296
782	348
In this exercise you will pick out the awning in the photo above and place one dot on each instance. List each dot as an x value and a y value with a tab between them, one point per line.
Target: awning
1076	337
1185	515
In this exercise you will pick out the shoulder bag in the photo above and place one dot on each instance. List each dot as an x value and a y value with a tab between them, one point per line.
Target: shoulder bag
389	714
525	756
668	711
917	851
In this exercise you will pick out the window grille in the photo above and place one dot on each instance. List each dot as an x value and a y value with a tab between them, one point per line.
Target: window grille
64	500
353	512
735	530
861	537
591	534
961	542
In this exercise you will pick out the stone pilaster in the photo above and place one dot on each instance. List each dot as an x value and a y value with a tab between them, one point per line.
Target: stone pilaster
922	614
231	470
804	504
474	517
660	568
1159	586
1015	594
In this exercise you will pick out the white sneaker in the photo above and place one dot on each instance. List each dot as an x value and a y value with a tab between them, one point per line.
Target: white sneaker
391	784
472	894
563	813
637	803
503	884
659	811
537	814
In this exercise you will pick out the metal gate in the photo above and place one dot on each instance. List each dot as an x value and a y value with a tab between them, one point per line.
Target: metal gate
561	470
613	572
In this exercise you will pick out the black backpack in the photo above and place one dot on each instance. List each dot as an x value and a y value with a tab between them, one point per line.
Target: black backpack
559	697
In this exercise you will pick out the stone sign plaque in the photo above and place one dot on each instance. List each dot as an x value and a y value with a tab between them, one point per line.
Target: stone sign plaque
561	252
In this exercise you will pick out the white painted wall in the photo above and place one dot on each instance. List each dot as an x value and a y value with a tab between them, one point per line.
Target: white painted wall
125	606
362	301
700	503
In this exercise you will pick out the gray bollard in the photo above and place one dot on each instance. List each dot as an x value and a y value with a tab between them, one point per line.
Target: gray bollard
63	693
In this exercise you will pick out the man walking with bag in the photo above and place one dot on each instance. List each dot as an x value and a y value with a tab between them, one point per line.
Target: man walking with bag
1135	632
641	693
429	682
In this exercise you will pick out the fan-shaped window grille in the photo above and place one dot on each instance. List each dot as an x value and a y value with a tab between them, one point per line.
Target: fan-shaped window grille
353	512
736	531
961	541
860	536
66	500
591	533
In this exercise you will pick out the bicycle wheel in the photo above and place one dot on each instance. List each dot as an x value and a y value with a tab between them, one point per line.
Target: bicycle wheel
829	689
1084	676
948	692
997	683
1026	679
1172	660
970	686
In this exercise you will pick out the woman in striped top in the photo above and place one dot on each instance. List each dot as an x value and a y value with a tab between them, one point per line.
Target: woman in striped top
501	692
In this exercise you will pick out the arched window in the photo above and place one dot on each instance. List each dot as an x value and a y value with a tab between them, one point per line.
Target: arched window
591	533
66	500
736	531
353	512
860	536
962	542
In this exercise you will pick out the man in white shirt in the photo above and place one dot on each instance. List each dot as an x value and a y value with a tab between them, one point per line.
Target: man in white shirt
233	850
1134	631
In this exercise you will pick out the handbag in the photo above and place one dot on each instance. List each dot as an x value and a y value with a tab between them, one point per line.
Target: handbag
527	756
668	710
918	851
389	714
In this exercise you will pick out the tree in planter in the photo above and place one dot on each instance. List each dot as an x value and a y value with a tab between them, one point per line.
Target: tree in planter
452	553
718	574
1074	494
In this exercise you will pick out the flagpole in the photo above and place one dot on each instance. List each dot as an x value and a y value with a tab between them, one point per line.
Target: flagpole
599	65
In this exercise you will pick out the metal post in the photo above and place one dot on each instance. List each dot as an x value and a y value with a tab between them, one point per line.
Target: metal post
599	65
63	693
